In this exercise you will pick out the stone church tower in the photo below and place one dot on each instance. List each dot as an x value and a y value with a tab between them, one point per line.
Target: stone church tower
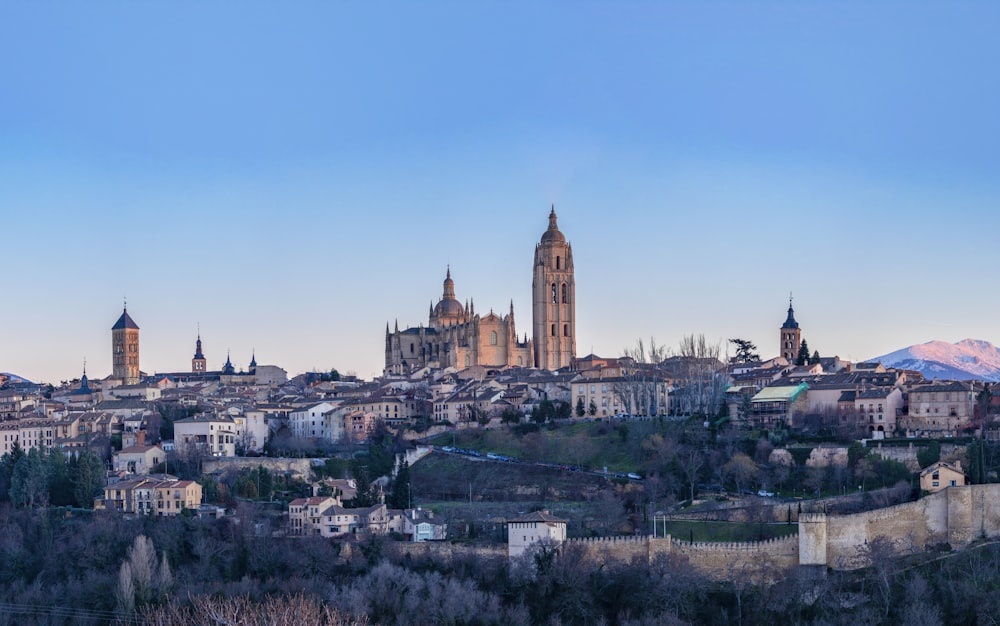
553	300
198	363
791	335
125	349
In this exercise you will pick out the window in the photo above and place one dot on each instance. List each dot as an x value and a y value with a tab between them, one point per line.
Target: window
557	262
553	330
554	300
564	291
565	330
493	337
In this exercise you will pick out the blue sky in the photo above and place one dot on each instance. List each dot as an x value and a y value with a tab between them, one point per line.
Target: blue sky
293	177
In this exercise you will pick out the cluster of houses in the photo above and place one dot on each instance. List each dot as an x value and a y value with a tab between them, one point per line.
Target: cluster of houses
325	516
868	399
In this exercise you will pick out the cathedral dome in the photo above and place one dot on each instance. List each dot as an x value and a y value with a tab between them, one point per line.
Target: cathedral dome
449	308
553	235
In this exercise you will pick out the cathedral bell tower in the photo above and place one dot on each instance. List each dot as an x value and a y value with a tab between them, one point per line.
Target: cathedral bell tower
553	300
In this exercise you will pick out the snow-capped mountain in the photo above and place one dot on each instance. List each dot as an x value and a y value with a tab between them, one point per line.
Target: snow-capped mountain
14	378
967	359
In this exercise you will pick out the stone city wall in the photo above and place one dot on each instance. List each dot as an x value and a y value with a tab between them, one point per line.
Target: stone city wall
956	516
908	455
445	551
298	468
717	560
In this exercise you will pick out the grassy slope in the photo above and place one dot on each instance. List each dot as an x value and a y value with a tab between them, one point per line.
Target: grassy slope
587	444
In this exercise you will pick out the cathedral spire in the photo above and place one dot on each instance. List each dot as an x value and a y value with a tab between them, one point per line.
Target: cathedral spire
449	286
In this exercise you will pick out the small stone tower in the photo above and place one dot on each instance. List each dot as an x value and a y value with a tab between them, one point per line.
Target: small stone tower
791	335
198	362
553	300
125	349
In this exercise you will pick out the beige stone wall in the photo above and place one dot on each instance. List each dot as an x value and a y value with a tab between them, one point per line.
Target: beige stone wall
299	468
717	560
444	550
759	560
828	456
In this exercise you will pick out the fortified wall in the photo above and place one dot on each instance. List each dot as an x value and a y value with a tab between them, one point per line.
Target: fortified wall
956	516
719	560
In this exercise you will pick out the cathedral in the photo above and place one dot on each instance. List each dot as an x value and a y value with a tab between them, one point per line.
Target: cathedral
455	336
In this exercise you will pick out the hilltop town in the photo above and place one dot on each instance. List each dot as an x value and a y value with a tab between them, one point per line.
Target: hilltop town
618	457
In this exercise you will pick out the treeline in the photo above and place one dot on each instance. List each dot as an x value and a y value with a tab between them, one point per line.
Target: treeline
97	565
44	477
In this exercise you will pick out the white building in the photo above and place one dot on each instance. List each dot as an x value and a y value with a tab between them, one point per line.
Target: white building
527	532
308	421
215	435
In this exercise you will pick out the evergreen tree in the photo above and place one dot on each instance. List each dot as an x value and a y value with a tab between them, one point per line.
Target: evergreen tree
803	356
580	410
746	351
365	496
815	357
592	409
399	497
29	482
264	481
60	478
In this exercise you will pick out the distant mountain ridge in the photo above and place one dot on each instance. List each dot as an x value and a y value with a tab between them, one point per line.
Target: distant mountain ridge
965	360
14	378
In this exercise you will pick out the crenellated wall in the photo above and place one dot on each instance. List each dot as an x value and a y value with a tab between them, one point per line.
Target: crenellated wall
956	516
718	560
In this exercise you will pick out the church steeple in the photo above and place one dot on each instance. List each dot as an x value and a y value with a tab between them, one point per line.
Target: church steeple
125	349
198	363
791	335
84	383
790	322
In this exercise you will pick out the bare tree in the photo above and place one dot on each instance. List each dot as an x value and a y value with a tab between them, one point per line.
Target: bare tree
690	461
699	374
642	389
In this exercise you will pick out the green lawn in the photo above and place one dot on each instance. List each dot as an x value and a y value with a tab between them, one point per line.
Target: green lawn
724	531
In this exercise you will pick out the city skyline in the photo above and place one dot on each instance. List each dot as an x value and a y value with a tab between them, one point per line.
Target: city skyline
292	180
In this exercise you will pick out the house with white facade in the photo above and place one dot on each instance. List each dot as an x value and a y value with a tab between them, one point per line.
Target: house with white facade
528	532
308	421
212	434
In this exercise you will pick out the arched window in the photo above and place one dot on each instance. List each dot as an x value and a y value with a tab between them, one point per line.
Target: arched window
565	291
565	330
411	348
554	294
520	361
553	330
493	337
557	262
